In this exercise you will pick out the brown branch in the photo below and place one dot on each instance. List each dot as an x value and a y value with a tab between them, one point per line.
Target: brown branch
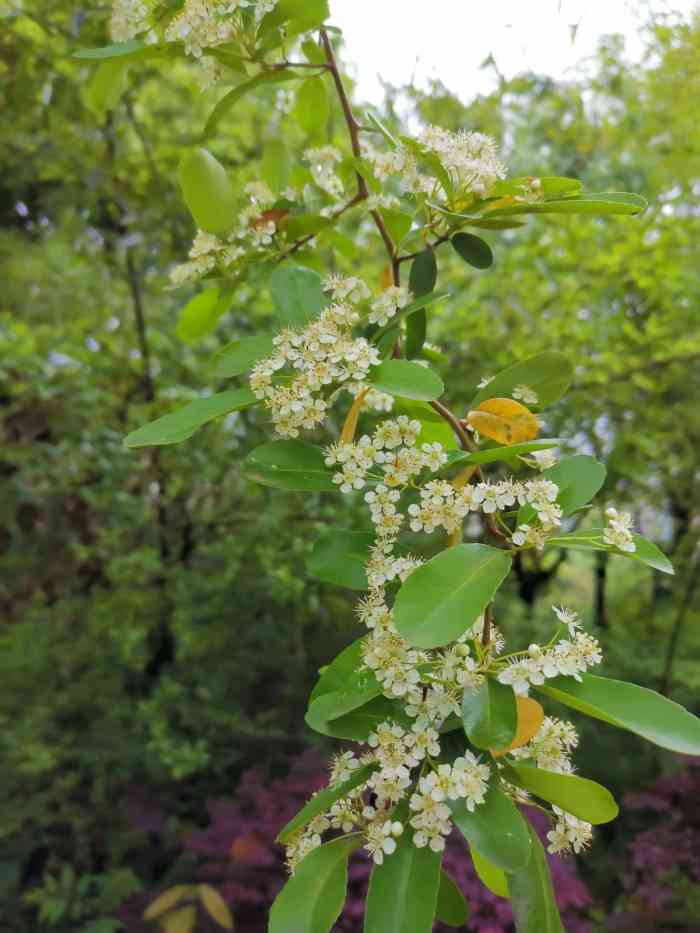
353	131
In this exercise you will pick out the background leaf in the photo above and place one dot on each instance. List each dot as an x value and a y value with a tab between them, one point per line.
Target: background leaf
406	379
452	908
548	374
490	715
576	795
496	828
339	557
473	250
297	295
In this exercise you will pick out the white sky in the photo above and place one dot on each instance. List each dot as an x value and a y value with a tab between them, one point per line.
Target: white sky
400	39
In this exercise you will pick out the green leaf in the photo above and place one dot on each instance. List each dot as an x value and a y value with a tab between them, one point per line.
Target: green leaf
548	374
297	295
181	424
489	874
403	891
496	828
106	85
313	52
534	907
508	452
627	706
311	108
579	796
239	356
490	715
442	598
339	557
592	540
274	166
133	49
357	724
473	250
297	16
312	899
323	800
601	204
398	223
579	478
392	140
421	281
201	314
407	379
452	908
231	99
423	275
335	675
207	191
291	465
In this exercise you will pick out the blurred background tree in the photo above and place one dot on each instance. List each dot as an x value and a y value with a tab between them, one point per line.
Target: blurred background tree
160	636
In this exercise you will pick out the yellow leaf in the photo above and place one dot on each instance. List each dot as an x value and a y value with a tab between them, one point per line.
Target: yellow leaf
504	420
182	920
347	435
166	900
215	906
387	277
530	718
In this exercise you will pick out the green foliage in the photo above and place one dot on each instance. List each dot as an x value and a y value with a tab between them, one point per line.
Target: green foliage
490	716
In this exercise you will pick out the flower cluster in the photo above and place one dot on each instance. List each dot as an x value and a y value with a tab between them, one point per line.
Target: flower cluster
470	159
129	18
568	657
617	532
204	24
323	354
391	300
322	162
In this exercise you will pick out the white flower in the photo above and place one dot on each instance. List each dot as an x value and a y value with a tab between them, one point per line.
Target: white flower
381	839
544	459
389	302
568	617
525	394
617	532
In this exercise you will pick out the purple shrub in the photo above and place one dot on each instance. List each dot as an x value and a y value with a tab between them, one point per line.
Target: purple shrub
661	875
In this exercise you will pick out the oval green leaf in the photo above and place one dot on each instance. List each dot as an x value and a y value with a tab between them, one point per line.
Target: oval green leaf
406	379
403	892
312	899
311	107
496	828
547	374
239	356
323	800
599	205
358	723
508	452
297	295
339	557
489	874
207	191
291	465
532	896
181	424
627	706
231	99
452	908
132	49
201	314
579	796
490	715
473	250
442	598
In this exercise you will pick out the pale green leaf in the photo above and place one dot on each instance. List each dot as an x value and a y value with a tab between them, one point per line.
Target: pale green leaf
181	424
